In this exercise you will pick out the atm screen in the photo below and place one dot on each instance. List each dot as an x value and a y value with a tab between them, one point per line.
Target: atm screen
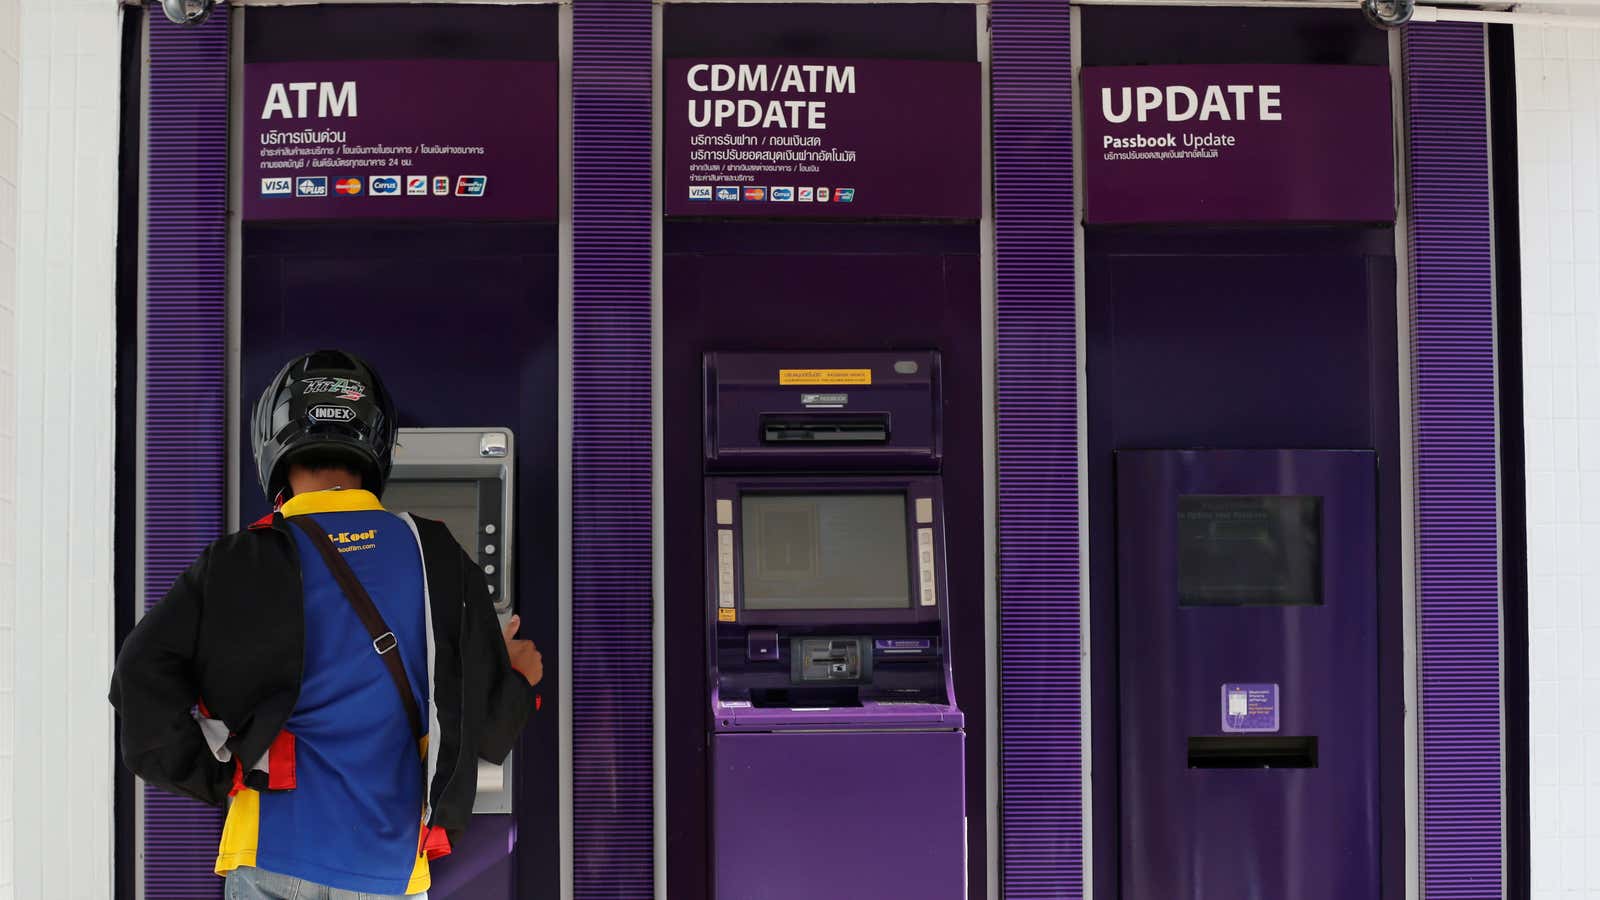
453	502
825	551
1244	549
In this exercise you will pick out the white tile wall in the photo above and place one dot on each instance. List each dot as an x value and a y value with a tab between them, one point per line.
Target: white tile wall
58	154
10	110
1558	147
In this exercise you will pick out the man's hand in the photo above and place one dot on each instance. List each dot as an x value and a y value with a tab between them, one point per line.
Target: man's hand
524	655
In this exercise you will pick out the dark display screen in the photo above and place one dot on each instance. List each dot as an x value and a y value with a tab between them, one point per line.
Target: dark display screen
1242	549
825	551
455	503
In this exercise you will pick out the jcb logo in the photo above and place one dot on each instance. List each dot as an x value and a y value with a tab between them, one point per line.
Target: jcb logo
353	537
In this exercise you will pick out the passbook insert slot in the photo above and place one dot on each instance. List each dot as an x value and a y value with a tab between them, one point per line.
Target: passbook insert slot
840	428
1253	752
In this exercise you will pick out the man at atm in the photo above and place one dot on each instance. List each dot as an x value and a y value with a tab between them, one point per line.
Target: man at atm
330	672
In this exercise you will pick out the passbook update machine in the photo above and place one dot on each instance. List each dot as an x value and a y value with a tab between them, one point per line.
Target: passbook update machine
835	739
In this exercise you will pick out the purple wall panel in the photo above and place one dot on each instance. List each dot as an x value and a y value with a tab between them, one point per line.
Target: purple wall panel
185	375
613	849
1454	428
1041	753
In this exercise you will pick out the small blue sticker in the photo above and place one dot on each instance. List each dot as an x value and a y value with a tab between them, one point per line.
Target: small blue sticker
1249	708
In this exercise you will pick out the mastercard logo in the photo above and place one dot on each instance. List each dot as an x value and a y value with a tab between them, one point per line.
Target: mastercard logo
347	186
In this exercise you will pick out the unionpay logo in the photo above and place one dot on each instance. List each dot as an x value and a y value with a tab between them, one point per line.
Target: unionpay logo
276	187
699	192
783	195
311	186
471	185
416	185
755	193
441	185
844	195
728	193
384	185
349	187
822	195
806	195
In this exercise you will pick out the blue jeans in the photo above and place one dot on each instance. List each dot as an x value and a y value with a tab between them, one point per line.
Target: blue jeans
250	883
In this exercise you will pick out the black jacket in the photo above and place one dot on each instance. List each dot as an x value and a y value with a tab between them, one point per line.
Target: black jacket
229	638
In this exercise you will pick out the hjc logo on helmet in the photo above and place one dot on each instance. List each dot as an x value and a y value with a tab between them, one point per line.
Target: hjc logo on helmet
332	414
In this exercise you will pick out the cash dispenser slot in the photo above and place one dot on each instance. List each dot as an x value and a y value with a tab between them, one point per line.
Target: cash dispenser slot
806	698
1253	752
839	428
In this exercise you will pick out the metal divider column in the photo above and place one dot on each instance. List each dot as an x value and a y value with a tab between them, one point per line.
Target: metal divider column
612	365
184	384
1036	391
1453	428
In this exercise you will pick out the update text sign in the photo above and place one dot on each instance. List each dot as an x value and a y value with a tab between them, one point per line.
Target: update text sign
1237	143
876	138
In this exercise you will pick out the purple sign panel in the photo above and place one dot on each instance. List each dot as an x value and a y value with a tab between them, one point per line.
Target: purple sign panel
456	139
1237	143
1249	708
877	138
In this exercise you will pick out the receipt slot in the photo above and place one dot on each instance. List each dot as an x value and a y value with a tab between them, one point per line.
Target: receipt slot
836	743
1247	593
464	478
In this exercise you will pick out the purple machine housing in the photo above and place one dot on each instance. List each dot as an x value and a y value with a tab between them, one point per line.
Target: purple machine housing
1248	608
836	746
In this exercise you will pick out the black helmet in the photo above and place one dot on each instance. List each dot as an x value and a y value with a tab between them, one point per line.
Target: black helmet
328	404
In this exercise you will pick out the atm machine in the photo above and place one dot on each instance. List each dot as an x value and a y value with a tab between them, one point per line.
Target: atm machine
464	477
836	746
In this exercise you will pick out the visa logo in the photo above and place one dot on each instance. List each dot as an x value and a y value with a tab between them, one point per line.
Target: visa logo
276	187
783	195
471	185
755	193
728	193
311	186
384	185
699	192
350	187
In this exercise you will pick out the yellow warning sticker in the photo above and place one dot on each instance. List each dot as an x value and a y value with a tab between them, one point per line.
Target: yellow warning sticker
725	615
824	376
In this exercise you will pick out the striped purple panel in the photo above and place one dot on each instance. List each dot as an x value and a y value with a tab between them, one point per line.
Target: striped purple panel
612	779
1453	381
1041	749
185	355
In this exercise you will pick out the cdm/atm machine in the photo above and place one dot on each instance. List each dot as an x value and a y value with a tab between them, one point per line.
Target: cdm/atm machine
1247	590
836	745
464	477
